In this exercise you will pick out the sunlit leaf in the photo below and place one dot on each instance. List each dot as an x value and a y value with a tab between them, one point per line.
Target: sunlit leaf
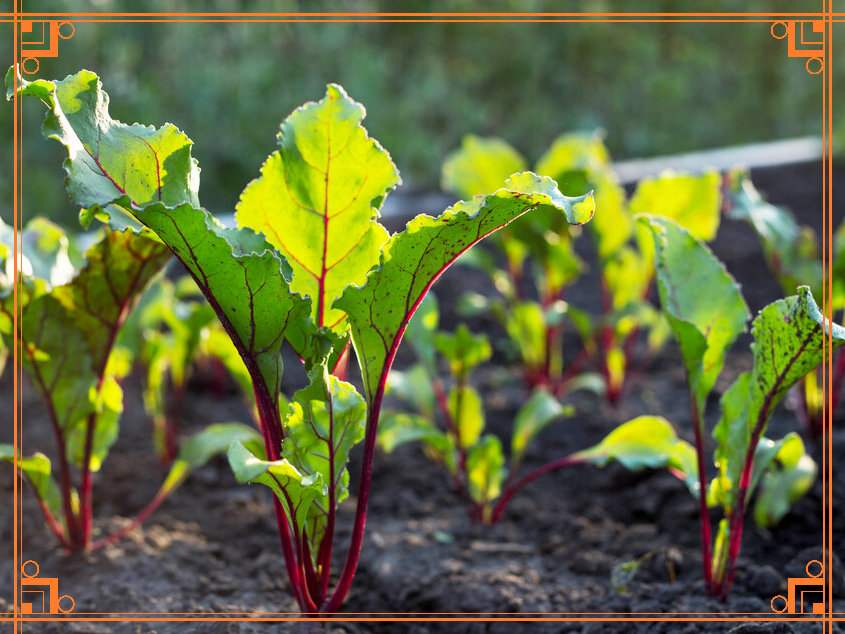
481	165
701	301
789	340
317	200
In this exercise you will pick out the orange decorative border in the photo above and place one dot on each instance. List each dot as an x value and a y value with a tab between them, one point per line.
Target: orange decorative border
813	49
802	33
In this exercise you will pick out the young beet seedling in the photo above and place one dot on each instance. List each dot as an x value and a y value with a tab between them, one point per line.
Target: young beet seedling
69	322
174	331
544	246
706	313
308	234
791	253
475	462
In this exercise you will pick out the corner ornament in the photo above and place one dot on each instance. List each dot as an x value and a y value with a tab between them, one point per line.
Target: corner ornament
40	595
805	39
801	589
41	39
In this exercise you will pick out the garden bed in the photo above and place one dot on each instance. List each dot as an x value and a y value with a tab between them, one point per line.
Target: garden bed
213	545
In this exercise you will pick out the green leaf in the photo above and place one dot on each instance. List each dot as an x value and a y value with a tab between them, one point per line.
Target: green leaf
645	442
412	260
396	428
837	277
463	350
480	165
37	469
467	411
216	344
614	226
694	202
627	275
791	250
317	200
117	270
44	251
539	410
212	441
56	358
422	332
414	387
246	282
701	301
559	266
787	479
691	201
68	338
325	420
587	152
443	448
108	407
575	151
109	161
589	381
296	491
789	341
486	469
525	324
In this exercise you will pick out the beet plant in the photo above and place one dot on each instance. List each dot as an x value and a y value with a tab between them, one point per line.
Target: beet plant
791	253
533	315
707	313
309	265
69	322
174	332
475	460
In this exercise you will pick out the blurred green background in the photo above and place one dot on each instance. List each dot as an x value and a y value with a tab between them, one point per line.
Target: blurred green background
655	88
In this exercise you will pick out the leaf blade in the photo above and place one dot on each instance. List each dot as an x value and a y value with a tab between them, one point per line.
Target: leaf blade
328	197
429	246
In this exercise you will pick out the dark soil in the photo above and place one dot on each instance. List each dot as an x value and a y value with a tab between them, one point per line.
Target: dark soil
213	545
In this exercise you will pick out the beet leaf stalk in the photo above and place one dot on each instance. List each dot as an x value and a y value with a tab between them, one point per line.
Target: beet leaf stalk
71	319
706	313
308	265
68	333
790	337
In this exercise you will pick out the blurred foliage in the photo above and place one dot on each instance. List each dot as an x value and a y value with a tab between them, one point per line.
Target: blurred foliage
655	87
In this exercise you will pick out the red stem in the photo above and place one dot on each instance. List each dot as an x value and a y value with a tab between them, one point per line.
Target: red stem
737	521
571	372
85	493
512	490
64	468
137	521
311	582
288	552
357	538
86	497
53	523
325	554
703	512
738	514
373	411
452	429
517	281
341	368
